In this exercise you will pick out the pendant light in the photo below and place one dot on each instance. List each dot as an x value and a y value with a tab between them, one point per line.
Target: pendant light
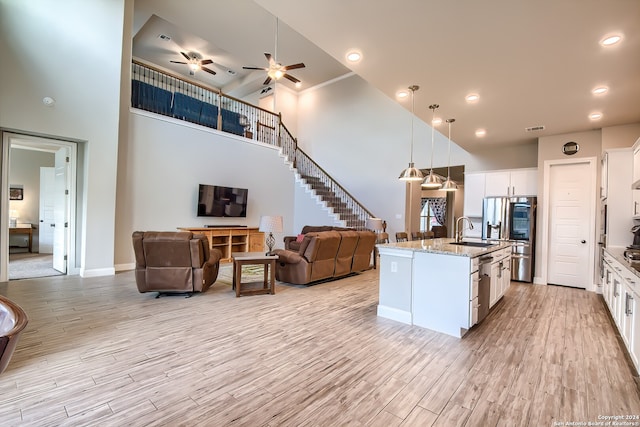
449	185
411	173
432	181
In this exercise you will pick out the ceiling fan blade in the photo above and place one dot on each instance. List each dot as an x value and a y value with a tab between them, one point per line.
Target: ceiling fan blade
178	62
186	56
294	66
269	58
205	69
206	62
293	79
254	68
267	81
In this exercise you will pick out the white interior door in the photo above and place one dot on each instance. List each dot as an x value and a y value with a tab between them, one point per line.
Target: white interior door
47	221
61	210
569	219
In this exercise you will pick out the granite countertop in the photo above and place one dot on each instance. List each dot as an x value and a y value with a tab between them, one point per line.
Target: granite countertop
444	247
618	254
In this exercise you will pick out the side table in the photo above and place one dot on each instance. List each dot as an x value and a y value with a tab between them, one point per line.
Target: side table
254	258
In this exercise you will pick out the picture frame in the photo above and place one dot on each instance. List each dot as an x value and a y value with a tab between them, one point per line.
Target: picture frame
16	193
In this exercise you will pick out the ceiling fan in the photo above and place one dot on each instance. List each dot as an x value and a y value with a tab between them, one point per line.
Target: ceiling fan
276	70
195	63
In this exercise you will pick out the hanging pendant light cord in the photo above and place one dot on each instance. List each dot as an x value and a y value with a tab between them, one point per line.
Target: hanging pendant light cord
433	133
449	150
413	106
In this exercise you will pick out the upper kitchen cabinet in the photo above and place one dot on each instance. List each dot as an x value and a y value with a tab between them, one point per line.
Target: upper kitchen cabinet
636	165
615	179
515	182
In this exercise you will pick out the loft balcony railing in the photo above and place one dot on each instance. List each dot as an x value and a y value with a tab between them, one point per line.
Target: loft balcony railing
160	92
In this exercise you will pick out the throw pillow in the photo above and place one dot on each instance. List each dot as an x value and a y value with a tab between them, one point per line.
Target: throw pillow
300	238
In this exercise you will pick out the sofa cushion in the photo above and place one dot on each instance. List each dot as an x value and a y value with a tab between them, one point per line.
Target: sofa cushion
344	257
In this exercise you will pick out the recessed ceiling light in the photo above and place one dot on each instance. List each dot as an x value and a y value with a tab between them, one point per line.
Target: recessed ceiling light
402	94
354	56
595	116
600	90
481	132
610	40
437	121
472	97
298	85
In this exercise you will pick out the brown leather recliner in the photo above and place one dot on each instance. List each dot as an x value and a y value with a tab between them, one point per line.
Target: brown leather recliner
293	243
315	260
174	262
325	255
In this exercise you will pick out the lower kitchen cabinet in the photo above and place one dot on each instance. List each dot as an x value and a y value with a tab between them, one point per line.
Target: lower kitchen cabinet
500	275
621	292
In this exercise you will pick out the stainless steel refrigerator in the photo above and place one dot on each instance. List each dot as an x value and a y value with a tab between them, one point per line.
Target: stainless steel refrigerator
513	219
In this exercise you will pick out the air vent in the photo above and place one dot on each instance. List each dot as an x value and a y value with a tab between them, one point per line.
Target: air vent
164	37
534	128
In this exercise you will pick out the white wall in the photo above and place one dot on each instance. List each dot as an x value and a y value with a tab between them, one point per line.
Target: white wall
166	159
72	52
620	136
362	138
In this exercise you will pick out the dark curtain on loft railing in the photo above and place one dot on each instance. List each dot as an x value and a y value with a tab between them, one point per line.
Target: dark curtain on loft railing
438	206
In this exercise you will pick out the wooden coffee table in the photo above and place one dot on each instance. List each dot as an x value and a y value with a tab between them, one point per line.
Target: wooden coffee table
254	258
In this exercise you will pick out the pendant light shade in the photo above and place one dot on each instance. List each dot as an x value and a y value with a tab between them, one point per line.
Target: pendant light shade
433	180
449	185
411	173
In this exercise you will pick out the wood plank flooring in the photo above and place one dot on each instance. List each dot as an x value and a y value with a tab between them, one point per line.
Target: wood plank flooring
96	352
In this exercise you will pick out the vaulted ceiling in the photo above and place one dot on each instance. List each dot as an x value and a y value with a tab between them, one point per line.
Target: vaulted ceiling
532	63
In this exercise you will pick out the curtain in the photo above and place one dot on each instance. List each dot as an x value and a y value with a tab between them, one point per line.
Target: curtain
438	206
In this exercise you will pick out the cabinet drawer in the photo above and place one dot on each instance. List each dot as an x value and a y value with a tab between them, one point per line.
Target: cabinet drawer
474	264
473	312
475	280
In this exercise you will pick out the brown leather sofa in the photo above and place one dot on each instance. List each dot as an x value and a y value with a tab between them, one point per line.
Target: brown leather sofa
292	243
13	320
325	255
174	262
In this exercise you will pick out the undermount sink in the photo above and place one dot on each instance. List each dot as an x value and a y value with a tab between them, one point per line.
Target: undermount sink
474	244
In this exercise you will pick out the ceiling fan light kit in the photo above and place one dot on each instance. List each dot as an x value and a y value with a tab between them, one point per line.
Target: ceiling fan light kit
195	63
411	173
275	70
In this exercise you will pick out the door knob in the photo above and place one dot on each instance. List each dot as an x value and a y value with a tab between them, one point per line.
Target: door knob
583	241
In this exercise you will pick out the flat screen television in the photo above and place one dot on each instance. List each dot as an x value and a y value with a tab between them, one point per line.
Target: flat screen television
218	201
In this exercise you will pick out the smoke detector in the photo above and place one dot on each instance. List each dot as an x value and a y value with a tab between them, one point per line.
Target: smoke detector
534	128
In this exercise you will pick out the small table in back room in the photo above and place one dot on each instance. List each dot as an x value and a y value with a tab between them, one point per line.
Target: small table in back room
254	258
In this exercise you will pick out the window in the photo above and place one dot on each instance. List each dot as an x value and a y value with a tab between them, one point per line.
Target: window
434	212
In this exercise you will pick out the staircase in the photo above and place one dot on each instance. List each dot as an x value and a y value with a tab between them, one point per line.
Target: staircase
335	203
269	130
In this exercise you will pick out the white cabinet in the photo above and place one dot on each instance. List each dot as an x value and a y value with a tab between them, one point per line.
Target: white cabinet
604	175
515	182
636	165
473	194
636	204
500	275
621	292
618	196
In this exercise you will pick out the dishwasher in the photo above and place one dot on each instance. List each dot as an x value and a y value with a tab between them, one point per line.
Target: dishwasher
484	286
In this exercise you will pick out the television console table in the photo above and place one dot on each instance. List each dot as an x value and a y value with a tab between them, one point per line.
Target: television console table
231	239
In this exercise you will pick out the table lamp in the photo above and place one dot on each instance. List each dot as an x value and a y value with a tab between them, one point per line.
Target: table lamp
270	224
375	224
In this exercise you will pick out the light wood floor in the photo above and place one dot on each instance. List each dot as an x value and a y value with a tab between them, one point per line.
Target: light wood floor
96	352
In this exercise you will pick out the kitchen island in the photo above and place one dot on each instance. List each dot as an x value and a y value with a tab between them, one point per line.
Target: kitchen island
434	283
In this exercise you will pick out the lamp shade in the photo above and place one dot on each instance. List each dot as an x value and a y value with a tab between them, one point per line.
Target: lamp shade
271	224
374	224
411	174
449	185
432	181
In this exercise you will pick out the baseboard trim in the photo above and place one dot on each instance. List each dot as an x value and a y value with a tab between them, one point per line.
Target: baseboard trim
394	314
97	272
125	267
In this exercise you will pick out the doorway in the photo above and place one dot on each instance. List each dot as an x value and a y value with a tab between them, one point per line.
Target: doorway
569	214
32	161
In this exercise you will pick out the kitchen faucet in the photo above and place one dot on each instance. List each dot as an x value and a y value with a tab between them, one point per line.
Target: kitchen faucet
458	230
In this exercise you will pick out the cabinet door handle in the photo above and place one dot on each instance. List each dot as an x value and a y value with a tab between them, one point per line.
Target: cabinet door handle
626	304
630	299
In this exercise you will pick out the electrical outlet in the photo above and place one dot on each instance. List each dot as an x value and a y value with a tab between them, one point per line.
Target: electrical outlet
394	267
